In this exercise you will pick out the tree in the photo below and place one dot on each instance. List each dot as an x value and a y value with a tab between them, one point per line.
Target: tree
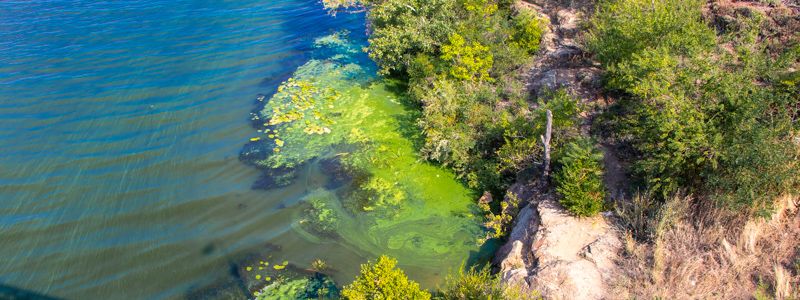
382	280
579	180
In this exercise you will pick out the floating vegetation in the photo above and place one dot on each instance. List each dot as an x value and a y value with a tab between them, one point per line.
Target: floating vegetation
319	216
319	265
335	110
314	287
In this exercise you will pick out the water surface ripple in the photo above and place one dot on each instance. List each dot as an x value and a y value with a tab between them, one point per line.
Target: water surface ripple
120	125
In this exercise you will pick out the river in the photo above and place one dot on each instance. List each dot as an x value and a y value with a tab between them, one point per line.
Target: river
121	124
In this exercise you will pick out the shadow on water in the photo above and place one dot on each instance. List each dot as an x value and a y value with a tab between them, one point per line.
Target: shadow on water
12	293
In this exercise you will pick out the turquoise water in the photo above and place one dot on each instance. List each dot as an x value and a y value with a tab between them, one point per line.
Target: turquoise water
121	124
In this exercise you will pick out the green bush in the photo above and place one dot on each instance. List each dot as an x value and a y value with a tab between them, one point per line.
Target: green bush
480	284
621	28
473	285
698	116
579	178
528	30
468	61
382	280
404	28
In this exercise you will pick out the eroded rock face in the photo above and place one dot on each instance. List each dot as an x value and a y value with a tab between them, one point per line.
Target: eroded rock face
558	255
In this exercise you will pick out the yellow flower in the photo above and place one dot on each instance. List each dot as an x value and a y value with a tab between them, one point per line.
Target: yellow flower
258	277
249	269
279	142
255	139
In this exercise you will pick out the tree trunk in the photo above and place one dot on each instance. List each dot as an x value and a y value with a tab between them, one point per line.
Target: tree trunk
548	134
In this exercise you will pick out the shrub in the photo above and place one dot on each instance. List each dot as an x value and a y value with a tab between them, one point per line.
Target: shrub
528	30
382	280
579	179
404	28
621	28
700	118
468	61
473	284
480	284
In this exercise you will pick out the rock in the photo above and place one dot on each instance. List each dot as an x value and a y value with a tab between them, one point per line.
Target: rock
559	255
486	198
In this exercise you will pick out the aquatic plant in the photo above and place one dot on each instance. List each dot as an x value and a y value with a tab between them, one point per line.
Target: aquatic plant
319	265
391	200
320	217
314	287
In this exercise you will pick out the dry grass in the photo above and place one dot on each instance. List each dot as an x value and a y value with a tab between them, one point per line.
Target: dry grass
700	252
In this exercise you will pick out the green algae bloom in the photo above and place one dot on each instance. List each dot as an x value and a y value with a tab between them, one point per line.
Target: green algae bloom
394	202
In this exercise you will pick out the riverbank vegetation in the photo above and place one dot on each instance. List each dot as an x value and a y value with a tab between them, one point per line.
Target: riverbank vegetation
462	61
705	110
383	280
711	115
707	115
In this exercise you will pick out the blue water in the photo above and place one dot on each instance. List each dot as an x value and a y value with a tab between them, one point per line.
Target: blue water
120	126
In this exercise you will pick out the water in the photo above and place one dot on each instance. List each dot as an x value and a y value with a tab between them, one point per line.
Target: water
120	127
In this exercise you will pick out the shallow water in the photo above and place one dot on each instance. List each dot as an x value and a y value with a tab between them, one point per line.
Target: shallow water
120	127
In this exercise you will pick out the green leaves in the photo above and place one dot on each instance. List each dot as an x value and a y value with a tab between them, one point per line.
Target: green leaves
621	28
703	116
405	28
579	179
527	31
382	280
468	61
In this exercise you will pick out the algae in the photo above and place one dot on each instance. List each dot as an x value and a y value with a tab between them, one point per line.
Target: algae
336	109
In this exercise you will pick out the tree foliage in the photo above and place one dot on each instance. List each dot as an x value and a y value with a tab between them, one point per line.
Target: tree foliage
698	115
579	179
470	62
382	280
